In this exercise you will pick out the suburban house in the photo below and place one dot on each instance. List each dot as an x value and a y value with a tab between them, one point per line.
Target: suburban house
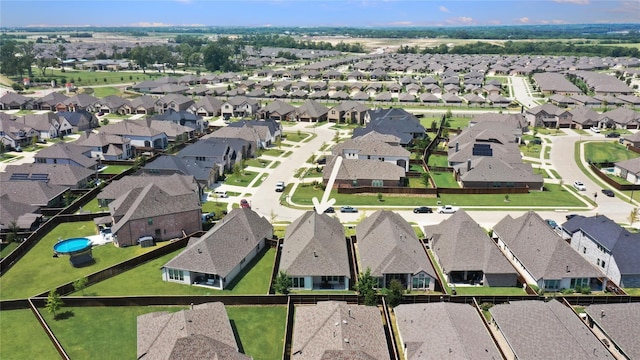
459	334
608	246
356	172
33	193
105	146
140	133
628	170
584	117
25	216
548	116
175	184
631	139
257	137
367	149
81	102
239	106
156	212
48	125
218	256
555	83
14	101
486	155
311	111
545	330
202	332
211	153
620	323
171	164
620	118
467	255
351	112
278	110
53	101
268	130
73	177
15	134
392	121
388	246
206	106
80	120
175	102
144	104
542	257
314	253
337	330
112	104
183	118
66	153
176	133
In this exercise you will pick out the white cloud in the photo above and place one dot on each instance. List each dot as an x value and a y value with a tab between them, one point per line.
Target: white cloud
150	24
444	9
462	20
401	23
524	20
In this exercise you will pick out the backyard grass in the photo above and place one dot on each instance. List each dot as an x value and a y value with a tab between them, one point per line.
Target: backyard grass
115	169
108	332
531	150
20	327
632	291
93	206
444	179
146	279
438	160
417	183
488	291
260	330
244	179
38	271
446	289
101	92
216	207
416	167
610	151
7	248
543	172
458	122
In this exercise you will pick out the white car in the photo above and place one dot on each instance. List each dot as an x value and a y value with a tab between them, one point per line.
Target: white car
447	209
579	185
595	129
280	185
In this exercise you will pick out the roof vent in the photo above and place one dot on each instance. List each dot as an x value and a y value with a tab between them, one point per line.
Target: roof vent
344	322
346	340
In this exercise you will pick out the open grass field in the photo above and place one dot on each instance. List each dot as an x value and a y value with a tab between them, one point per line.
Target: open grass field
146	279
38	271
22	337
101	92
92	78
610	151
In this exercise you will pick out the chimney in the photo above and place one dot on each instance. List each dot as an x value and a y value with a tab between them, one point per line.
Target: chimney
457	146
468	164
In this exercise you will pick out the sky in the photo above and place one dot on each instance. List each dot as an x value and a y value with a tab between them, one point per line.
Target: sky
357	13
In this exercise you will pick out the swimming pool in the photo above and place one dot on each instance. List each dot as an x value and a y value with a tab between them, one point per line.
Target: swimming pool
72	246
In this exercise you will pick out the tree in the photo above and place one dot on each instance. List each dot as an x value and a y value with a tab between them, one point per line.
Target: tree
282	283
394	293
12	235
61	53
365	286
237	171
379	196
54	303
425	180
80	284
141	56
9	61
634	216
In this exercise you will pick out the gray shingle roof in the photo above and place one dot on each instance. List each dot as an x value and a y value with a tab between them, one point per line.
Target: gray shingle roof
58	174
547	330
541	250
621	322
369	147
461	244
203	332
35	193
173	184
354	169
315	245
459	333
222	248
387	244
337	330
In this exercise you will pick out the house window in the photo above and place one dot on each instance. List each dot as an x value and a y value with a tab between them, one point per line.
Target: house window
150	221
377	183
580	282
602	264
598	262
421	281
552	284
176	275
297	282
335	279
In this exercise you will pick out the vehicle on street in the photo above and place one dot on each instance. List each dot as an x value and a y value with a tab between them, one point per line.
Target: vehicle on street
579	185
447	209
221	194
571	216
245	204
280	186
348	209
613	134
608	192
595	129
422	210
329	210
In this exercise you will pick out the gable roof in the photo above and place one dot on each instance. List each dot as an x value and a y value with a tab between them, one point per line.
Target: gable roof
175	184
621	322
222	248
363	146
459	334
546	330
354	169
70	151
541	250
34	193
315	245
312	109
131	128
337	330
387	244
461	244
631	165
203	332
54	174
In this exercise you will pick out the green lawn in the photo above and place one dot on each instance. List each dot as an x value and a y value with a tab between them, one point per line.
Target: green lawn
416	167
259	163
531	150
447	290
487	290
438	160
444	179
108	332
243	180
6	249
542	172
115	169
458	122
607	152
93	206
91	78
273	152
101	92
632	291
417	183
146	279
214	206
295	136
260	330
19	328
38	271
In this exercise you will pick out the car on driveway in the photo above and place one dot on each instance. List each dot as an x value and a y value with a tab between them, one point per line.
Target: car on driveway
280	186
447	209
422	210
579	185
595	129
608	192
571	216
245	204
613	134
348	209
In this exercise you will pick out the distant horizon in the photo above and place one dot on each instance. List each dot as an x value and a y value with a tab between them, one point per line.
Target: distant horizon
314	13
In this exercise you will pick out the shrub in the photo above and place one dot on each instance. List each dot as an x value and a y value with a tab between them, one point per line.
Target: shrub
567	291
485	306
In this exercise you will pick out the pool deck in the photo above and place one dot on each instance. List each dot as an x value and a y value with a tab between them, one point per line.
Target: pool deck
100	239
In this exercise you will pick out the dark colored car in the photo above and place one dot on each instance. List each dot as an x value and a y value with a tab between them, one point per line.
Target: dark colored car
552	224
321	161
422	210
348	209
245	204
329	210
571	216
537	141
608	192
612	135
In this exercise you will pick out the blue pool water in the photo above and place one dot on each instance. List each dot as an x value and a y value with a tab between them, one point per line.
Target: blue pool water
72	245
